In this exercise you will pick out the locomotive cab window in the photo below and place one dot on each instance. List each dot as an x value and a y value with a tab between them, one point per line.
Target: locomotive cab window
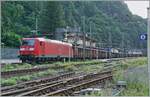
29	42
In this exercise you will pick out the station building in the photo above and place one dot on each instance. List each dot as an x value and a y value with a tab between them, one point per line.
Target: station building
75	37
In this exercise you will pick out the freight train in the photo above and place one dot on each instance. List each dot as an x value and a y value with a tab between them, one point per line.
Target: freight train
41	50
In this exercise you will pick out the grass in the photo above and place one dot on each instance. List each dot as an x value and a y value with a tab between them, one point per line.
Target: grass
68	66
15	80
133	62
89	62
125	63
137	82
135	89
97	93
8	82
45	73
87	66
25	78
90	68
118	75
9	67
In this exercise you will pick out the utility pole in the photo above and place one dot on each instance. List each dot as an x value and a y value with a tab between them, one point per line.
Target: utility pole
110	45
69	54
36	25
110	40
122	44
36	19
83	22
91	40
148	41
67	27
35	31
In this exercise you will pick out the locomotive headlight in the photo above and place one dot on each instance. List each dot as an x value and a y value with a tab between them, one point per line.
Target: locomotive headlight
31	49
22	49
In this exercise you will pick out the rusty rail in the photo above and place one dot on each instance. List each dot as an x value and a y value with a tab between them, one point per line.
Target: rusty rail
6	90
6	74
64	84
70	90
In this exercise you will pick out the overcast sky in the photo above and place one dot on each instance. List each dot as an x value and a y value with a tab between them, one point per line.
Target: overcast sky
138	7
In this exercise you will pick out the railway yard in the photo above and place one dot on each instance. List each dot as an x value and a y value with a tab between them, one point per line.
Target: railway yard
95	77
75	48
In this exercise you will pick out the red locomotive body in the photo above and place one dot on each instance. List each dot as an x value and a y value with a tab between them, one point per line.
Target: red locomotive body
41	49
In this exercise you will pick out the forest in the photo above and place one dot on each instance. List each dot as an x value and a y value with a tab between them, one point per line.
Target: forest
113	19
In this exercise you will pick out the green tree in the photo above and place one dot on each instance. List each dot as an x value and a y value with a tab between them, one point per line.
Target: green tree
52	17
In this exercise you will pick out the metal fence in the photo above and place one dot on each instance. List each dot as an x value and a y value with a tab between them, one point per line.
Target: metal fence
9	53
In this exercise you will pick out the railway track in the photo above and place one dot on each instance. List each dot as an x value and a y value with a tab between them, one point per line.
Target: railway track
18	90
70	90
6	74
27	85
42	87
19	72
53	86
52	89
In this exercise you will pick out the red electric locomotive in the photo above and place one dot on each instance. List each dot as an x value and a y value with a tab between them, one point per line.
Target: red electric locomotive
41	49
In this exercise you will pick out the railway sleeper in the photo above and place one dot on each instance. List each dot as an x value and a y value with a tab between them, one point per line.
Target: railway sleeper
37	82
55	87
16	92
69	91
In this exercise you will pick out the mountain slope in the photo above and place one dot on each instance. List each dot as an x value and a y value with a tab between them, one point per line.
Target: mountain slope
108	19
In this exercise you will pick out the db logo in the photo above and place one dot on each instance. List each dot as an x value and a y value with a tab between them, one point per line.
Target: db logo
143	37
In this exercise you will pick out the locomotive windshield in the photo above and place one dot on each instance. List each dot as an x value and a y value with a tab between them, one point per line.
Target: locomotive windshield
29	42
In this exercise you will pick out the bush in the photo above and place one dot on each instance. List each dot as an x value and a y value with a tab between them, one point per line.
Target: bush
11	39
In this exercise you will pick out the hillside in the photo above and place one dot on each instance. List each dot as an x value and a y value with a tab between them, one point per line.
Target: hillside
110	18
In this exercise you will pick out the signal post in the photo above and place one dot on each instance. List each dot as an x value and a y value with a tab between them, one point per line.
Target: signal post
148	42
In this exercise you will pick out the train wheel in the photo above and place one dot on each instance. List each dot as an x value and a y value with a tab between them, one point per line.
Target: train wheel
24	60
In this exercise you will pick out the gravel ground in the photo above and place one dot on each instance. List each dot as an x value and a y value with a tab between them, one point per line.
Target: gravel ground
9	61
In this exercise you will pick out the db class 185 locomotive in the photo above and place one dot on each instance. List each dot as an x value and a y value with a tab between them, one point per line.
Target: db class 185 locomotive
43	50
